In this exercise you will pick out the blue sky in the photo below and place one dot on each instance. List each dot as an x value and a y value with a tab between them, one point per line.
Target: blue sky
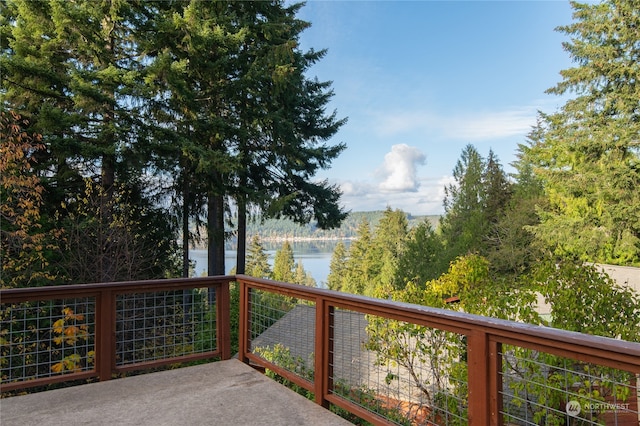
419	80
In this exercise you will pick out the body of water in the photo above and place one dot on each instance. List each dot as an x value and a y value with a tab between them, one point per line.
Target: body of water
314	255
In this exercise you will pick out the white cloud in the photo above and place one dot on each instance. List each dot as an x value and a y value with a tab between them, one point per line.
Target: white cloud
470	126
399	170
355	189
427	199
397	185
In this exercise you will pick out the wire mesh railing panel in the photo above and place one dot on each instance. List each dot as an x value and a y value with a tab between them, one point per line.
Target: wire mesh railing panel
282	331
403	372
48	338
159	325
542	389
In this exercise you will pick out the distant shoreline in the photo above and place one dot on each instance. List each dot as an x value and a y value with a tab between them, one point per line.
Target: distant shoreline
283	239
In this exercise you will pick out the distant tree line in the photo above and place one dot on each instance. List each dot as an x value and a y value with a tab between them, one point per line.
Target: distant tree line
286	229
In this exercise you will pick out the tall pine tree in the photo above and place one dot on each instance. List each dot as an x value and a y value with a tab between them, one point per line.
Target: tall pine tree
76	72
283	123
589	157
463	225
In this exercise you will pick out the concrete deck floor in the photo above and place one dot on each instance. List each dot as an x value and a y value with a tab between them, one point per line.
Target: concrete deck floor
219	393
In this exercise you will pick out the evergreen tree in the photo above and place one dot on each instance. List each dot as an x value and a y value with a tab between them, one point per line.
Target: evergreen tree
387	246
283	264
76	72
212	97
421	259
358	268
283	123
302	277
250	124
337	267
196	63
497	190
511	247
464	226
257	260
589	157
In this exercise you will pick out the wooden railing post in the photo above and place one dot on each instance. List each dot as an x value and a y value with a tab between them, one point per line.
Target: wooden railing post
224	323
243	333
495	382
323	351
478	378
105	333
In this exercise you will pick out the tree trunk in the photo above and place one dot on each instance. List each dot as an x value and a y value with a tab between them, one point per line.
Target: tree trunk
215	234
185	228
241	257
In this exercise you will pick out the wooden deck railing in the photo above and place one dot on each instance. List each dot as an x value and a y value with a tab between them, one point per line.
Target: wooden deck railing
484	337
45	329
103	315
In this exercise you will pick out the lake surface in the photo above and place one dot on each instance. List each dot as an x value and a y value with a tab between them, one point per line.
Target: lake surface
314	255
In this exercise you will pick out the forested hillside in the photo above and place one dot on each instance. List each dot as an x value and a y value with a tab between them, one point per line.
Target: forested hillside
282	229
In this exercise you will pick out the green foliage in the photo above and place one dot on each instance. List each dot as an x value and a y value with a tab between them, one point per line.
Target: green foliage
185	103
257	260
588	156
357	267
497	190
586	300
234	316
337	267
465	274
537	378
421	260
388	245
428	356
205	330
463	226
286	269
75	70
302	277
582	299
418	349
372	259
281	356
283	264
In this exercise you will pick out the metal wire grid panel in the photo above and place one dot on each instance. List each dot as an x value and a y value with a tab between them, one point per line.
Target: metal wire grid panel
47	338
540	388
406	373
282	331
165	324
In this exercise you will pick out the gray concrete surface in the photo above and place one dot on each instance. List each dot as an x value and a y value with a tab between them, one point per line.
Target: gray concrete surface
626	276
219	393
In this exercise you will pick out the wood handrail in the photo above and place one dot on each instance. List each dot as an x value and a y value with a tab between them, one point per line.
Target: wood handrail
602	350
485	337
105	319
